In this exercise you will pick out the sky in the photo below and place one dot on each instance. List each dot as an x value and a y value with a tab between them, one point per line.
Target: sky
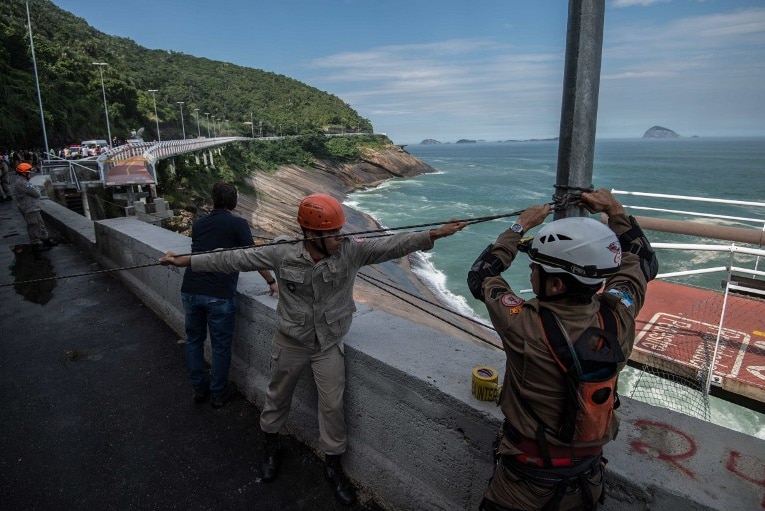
477	69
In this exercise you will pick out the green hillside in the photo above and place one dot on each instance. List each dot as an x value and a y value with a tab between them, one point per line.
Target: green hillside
65	49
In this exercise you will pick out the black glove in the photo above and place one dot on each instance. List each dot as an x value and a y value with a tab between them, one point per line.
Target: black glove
649	263
487	265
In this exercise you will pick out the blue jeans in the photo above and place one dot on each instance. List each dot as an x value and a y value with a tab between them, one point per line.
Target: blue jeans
219	316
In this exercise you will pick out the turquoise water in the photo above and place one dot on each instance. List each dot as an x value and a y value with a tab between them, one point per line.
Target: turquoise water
476	180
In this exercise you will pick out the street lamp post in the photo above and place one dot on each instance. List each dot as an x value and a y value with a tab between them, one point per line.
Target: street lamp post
196	111
103	90
183	126
252	125
37	84
208	124
159	137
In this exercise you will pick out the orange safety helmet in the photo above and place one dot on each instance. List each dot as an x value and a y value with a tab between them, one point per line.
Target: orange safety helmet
320	212
23	168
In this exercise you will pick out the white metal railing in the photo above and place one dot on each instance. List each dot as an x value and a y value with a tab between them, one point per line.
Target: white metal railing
710	200
730	270
690	198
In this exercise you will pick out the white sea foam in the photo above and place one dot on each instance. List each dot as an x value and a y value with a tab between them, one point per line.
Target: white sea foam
436	282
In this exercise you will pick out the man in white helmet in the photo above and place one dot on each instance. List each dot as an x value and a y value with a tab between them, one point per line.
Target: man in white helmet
564	348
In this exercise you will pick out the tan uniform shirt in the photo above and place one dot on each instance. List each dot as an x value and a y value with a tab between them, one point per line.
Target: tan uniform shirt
531	374
315	299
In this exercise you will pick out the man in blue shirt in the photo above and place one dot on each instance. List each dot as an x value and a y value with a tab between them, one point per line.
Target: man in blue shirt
209	297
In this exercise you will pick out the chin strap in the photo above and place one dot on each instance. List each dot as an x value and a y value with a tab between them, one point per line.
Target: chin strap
318	243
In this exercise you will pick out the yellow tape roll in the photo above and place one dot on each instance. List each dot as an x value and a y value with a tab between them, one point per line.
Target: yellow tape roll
485	383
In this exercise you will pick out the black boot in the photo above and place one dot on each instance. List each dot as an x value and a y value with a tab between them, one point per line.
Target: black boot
270	465
49	242
338	481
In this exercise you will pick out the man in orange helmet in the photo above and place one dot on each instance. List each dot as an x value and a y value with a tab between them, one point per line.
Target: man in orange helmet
316	306
27	198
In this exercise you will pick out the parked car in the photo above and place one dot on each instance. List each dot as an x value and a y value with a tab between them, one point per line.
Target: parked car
73	152
93	147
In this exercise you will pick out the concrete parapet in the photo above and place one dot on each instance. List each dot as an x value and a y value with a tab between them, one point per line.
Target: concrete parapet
418	439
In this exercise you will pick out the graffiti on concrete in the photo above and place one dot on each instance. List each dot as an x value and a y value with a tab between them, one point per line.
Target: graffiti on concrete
667	443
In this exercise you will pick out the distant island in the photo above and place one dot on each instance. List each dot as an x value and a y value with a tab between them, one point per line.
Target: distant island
653	132
432	141
660	132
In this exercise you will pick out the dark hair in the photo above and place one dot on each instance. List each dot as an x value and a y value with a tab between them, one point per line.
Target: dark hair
576	290
224	196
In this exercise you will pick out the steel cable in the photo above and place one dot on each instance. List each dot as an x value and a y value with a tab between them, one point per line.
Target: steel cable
379	233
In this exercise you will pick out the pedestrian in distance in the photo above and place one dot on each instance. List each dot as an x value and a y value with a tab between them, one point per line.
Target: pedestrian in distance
316	276
564	349
28	198
209	298
5	185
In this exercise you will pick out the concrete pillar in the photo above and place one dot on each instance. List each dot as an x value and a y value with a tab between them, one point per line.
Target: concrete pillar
85	204
579	110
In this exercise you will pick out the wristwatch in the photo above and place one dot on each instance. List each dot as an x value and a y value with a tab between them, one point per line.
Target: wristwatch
516	227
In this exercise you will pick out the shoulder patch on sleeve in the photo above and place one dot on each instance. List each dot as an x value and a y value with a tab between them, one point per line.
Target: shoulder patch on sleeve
510	300
623	297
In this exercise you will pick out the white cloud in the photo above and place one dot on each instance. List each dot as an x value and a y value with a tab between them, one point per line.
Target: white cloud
481	89
631	3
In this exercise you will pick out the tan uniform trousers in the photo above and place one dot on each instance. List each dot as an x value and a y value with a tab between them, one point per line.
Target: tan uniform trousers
35	227
513	491
328	367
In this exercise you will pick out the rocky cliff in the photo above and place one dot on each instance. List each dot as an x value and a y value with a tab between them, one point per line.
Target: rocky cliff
272	211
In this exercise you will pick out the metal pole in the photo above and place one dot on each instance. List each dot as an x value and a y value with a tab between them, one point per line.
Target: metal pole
196	111
183	126
252	125
103	90
156	117
37	83
579	110
208	124
213	125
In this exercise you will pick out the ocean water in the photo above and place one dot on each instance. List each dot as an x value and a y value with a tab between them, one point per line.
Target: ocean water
498	178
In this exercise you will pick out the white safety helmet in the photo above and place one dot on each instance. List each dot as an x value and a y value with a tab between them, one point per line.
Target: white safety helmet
579	246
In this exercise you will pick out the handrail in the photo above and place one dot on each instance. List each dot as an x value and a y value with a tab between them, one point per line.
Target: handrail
693	213
724	233
690	198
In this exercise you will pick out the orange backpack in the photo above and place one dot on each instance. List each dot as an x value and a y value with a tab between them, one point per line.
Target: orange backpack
590	368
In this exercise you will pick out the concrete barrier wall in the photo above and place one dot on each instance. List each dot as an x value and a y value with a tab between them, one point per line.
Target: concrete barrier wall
418	439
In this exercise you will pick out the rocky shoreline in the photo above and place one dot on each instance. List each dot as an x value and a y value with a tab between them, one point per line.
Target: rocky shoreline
272	210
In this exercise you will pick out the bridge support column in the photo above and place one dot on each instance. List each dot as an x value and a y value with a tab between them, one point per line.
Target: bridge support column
85	204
